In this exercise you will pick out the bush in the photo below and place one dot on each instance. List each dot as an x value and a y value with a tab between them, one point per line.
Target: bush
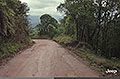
100	62
10	48
63	39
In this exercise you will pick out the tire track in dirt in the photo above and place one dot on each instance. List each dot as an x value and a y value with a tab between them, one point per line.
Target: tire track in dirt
46	58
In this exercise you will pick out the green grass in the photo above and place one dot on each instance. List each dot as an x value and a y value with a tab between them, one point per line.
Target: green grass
35	37
40	37
63	39
101	63
10	48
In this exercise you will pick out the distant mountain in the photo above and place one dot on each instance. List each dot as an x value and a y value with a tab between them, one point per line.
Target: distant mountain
34	20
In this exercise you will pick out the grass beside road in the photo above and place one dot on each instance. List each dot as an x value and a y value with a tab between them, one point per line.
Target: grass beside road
10	49
62	39
100	63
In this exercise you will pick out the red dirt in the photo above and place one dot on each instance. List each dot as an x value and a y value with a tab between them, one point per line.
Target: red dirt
46	59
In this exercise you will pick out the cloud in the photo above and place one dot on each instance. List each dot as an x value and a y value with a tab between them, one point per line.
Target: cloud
40	7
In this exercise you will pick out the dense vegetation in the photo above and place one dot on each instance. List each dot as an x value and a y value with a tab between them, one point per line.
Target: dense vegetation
91	25
96	23
14	30
47	27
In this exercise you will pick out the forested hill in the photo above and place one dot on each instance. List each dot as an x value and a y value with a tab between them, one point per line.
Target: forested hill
14	30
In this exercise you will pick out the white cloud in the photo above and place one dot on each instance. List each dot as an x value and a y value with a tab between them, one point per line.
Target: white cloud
39	7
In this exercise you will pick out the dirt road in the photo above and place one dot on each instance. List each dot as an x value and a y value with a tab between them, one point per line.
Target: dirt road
46	59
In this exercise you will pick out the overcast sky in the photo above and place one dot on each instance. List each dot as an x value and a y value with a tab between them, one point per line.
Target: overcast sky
40	7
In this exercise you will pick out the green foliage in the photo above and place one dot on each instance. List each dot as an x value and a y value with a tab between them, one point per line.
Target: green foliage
47	19
33	33
14	26
62	39
69	26
95	22
7	49
47	27
100	62
60	31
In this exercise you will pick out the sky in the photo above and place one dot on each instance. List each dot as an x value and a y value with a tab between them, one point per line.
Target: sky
40	7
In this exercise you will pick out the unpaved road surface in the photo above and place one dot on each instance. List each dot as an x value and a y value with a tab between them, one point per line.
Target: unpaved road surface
46	58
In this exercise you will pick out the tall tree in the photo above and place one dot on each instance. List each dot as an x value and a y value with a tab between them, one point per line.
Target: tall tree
14	26
95	22
48	25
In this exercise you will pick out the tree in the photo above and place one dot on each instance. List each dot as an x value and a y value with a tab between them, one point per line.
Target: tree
68	23
48	26
95	23
14	26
